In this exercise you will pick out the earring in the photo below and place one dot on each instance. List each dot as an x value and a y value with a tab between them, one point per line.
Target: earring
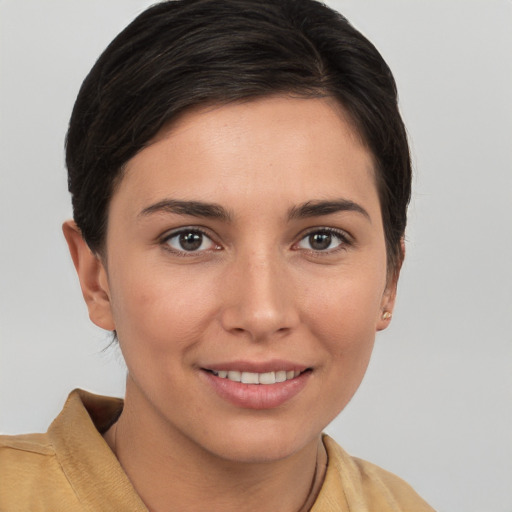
386	315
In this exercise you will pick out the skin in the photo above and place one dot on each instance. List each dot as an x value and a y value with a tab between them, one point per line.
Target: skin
256	290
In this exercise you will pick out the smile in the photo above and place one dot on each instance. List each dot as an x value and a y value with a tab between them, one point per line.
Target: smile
257	390
256	378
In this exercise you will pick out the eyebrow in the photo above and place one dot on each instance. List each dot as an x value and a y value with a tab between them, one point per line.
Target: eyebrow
319	208
215	211
192	208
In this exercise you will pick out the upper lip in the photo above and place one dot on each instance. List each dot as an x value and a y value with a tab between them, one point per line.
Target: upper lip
273	365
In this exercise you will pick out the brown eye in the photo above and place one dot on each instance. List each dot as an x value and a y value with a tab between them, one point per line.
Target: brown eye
190	240
320	241
323	240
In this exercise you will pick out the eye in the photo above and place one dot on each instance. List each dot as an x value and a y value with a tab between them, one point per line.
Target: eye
323	240
190	240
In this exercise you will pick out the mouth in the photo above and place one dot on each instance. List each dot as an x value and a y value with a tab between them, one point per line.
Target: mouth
252	384
265	378
265	389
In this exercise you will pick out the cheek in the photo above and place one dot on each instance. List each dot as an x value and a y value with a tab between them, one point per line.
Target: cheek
342	320
343	314
155	311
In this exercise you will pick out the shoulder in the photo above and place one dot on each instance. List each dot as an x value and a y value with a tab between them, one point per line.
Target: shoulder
29	470
56	470
70	468
24	455
364	486
25	443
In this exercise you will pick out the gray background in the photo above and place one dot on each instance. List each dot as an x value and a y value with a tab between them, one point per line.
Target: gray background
436	405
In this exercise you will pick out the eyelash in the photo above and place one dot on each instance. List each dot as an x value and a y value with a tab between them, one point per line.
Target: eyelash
345	241
185	231
344	238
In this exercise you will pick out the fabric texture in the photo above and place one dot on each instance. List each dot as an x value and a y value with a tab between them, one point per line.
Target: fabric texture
71	468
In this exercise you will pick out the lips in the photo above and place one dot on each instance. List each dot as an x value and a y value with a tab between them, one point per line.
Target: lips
257	386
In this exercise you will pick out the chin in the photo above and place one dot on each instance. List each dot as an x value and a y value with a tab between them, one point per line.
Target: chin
261	442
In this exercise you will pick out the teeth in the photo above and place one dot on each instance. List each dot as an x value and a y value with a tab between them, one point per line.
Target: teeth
280	376
250	378
267	378
234	376
257	378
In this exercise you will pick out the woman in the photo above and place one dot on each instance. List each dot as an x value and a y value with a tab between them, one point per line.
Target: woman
240	175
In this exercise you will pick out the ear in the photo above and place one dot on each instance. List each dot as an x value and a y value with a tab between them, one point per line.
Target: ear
92	275
389	295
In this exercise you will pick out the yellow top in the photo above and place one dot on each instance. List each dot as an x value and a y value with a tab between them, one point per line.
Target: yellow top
71	468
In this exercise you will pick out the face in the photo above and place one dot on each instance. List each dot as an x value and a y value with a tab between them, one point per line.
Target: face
246	243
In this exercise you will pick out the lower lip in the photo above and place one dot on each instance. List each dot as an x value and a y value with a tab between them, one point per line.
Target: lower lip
257	396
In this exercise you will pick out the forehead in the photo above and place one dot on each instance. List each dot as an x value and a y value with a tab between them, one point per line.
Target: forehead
283	148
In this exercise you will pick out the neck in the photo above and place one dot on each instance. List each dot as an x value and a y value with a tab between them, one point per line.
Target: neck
154	455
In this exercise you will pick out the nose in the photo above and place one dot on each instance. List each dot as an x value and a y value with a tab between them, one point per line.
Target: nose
259	301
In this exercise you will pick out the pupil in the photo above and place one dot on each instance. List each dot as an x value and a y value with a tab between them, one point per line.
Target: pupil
320	241
191	241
